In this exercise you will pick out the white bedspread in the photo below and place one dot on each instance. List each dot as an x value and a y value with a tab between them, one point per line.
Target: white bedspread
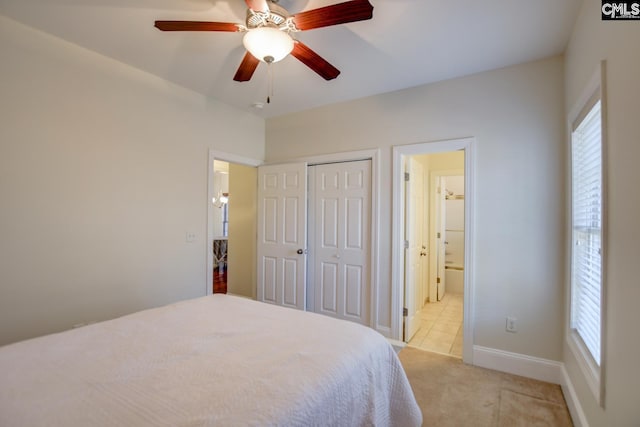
216	360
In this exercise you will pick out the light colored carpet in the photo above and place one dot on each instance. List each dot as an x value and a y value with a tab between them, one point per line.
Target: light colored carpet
451	393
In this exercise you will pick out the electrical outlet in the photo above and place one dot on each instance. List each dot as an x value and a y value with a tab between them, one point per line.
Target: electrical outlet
512	324
190	237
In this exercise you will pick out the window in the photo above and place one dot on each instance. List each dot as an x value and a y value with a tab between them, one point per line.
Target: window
587	234
586	274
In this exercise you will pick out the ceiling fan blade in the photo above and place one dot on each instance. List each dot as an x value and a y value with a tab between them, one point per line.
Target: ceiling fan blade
247	68
314	61
258	5
342	13
195	26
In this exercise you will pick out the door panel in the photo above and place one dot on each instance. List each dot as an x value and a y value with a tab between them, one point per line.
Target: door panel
354	230
340	207
291	220
282	215
269	276
414	221
290	269
270	216
354	287
329	222
329	297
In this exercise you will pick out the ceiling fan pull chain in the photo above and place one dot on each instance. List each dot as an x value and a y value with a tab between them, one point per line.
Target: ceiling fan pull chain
269	82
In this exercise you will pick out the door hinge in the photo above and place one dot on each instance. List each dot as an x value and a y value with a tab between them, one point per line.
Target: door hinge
438	235
406	176
438	280
406	244
405	311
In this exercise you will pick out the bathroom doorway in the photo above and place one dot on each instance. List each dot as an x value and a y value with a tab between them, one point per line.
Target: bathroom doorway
436	276
435	245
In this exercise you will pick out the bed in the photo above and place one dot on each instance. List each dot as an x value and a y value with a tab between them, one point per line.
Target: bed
216	360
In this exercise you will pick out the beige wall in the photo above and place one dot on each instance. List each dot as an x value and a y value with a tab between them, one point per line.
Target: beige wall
617	43
516	115
103	170
243	214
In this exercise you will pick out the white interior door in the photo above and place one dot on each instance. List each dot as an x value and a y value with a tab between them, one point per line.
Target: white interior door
414	221
442	235
340	218
282	236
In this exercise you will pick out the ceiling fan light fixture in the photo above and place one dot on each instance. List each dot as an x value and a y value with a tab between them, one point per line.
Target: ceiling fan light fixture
268	44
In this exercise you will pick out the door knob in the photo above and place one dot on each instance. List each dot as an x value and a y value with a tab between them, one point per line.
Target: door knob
300	251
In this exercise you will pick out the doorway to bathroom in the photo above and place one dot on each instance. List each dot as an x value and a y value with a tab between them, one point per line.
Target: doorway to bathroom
439	323
433	208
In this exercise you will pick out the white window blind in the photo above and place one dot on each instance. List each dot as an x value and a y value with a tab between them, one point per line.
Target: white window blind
586	275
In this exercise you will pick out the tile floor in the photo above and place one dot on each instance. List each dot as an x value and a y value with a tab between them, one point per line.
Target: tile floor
441	326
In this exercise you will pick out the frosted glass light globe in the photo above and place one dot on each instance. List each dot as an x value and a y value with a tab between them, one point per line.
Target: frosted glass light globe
268	44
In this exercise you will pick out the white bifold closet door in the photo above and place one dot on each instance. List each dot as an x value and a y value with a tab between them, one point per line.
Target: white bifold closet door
339	240
282	234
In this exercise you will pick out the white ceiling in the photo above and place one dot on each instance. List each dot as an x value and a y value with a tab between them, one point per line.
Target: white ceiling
407	43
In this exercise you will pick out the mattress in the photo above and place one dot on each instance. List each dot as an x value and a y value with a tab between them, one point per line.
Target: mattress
215	360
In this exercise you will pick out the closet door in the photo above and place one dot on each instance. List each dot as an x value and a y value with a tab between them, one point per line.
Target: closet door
340	218
282	234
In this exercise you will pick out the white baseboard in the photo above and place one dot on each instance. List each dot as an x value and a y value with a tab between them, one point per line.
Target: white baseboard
577	414
532	367
518	364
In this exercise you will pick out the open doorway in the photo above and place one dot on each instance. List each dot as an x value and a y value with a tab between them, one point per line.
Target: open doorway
220	220
435	274
432	241
231	247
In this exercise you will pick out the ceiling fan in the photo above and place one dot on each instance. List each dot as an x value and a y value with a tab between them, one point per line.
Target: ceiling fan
268	30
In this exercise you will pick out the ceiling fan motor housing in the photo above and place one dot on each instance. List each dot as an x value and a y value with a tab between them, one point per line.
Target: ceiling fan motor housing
276	16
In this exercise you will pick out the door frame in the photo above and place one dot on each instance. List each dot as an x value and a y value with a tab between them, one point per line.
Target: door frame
225	157
374	271
398	232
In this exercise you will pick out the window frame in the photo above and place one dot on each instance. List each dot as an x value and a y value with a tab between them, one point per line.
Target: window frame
592	372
